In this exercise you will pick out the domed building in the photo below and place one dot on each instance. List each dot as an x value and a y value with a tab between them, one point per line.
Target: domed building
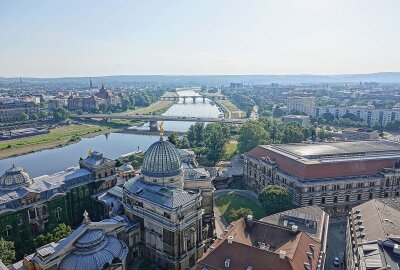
14	178
162	165
170	217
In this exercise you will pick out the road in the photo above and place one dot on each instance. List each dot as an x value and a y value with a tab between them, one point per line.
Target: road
336	243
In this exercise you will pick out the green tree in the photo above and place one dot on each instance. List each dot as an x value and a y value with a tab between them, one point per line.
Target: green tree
292	133
241	212
7	251
23	117
55	235
216	135
328	117
79	112
174	139
125	104
42	114
275	199
61	114
184	143
195	134
251	134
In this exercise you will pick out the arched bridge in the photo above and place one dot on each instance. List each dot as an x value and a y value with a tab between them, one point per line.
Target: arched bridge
152	119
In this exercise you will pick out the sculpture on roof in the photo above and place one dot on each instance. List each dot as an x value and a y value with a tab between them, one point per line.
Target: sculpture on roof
161	126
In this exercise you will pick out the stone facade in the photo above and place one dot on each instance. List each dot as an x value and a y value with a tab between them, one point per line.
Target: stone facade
10	112
334	192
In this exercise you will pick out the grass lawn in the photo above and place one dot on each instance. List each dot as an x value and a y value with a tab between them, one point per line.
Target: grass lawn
227	202
57	136
155	108
231	148
235	112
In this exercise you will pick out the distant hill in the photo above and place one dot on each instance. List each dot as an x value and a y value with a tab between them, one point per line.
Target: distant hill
381	77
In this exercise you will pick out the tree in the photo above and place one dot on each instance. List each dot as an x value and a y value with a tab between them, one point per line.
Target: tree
79	112
216	135
328	117
239	213
174	139
42	114
55	235
184	143
7	251
275	199
292	133
195	134
23	117
125	104
61	114
278	112
251	134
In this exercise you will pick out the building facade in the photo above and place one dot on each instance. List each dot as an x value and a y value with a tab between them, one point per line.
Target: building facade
93	102
303	104
171	218
10	112
368	114
29	206
302	120
335	176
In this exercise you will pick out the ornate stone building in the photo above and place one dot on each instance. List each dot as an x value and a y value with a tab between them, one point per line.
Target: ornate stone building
30	206
171	218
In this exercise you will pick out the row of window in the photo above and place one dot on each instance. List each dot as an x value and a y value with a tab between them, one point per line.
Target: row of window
347	198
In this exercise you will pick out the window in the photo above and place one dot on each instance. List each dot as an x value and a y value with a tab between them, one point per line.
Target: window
311	189
58	213
348	186
8	230
359	185
323	188
387	182
371	184
310	202
371	195
397	194
347	197
359	197
335	199
336	187
386	194
323	200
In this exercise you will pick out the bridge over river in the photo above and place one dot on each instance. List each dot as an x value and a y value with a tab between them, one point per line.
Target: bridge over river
153	119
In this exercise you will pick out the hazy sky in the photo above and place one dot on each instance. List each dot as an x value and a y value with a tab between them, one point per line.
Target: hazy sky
91	38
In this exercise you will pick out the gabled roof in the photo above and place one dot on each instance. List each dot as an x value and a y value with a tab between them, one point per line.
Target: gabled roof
259	245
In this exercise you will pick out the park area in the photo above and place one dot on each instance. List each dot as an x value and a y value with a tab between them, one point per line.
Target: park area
228	202
235	112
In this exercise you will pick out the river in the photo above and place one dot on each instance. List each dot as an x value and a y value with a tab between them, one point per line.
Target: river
111	145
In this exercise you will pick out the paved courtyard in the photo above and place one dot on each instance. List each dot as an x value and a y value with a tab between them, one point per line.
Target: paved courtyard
336	243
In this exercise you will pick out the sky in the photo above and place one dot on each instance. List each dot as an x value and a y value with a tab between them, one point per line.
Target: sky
61	38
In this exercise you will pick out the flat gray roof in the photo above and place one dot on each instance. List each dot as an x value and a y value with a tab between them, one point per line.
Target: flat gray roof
337	149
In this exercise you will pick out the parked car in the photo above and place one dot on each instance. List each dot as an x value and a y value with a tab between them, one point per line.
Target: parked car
336	261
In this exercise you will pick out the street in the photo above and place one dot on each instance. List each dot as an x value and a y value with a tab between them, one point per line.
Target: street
336	243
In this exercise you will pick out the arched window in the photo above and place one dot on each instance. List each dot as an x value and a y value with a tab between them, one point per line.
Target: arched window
7	232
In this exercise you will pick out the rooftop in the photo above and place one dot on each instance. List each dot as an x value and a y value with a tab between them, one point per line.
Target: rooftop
162	195
261	246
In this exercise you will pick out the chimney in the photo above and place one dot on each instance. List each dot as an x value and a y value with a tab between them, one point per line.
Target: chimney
282	254
249	220
230	239
294	228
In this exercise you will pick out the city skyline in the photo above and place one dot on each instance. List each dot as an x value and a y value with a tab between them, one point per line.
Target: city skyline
63	39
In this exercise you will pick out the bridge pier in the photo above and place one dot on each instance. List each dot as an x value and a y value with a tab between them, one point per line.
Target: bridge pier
153	125
184	99
204	99
194	99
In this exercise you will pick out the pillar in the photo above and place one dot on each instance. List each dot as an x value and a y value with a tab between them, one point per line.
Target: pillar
204	99
153	125
194	99
184	99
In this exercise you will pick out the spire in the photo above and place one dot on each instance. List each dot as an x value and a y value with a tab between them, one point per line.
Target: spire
91	84
86	219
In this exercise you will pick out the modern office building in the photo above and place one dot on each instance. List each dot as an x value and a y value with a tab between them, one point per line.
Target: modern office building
373	235
359	134
333	175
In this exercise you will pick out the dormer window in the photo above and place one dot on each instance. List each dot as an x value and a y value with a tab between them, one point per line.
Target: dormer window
227	263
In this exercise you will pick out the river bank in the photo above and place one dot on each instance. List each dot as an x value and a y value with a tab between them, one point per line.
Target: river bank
57	137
